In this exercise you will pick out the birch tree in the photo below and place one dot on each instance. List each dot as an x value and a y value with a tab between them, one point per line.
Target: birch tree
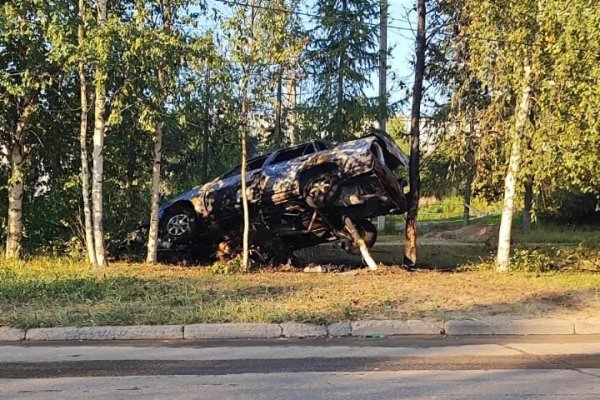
164	72
510	181
101	41
29	63
245	51
83	132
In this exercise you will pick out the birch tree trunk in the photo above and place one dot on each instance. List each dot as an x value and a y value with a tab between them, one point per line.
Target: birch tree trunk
291	106
410	246
153	231
98	141
528	204
510	181
85	171
14	239
246	209
158	141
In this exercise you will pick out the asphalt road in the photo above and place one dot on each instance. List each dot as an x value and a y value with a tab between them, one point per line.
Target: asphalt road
553	367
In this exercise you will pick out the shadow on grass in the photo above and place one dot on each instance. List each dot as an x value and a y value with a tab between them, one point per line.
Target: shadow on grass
431	256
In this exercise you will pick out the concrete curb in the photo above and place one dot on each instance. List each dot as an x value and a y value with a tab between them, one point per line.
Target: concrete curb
232	331
11	334
368	328
394	327
156	332
587	326
507	326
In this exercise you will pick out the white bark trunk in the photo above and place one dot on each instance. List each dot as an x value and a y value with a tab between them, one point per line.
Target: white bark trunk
153	233
14	239
292	101
98	157
85	170
246	233
510	181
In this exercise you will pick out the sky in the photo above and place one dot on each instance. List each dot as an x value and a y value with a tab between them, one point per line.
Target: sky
401	42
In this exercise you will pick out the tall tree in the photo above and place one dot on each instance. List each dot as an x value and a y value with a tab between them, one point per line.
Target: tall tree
83	131
383	50
510	181
100	82
343	54
410	247
245	39
29	63
166	10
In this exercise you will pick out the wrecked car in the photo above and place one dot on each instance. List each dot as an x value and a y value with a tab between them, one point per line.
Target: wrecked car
298	197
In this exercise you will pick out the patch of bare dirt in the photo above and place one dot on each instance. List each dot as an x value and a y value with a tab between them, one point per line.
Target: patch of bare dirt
470	233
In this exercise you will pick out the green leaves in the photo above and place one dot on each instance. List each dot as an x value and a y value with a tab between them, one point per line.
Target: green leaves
492	42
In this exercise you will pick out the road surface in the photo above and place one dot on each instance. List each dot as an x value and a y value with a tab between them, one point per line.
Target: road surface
482	368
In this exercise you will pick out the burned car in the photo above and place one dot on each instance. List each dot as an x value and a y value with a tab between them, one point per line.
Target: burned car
298	197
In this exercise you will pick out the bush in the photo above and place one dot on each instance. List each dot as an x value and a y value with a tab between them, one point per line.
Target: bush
573	208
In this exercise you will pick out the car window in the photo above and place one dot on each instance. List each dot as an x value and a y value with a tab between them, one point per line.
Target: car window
290	154
321	145
255	163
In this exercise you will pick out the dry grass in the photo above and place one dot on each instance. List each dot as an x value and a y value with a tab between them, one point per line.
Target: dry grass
56	292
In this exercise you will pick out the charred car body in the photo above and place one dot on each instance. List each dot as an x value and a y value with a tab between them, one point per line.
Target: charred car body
298	197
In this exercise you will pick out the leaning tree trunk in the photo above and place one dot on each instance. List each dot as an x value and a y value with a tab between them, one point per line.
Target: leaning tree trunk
98	157
410	247
85	170
14	239
510	181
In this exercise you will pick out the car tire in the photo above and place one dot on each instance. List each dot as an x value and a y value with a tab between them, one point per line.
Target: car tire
368	233
179	224
321	189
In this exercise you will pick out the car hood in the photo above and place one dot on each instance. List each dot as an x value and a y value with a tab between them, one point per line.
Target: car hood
187	196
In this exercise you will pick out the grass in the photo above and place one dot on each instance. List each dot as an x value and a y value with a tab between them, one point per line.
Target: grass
541	232
452	207
64	292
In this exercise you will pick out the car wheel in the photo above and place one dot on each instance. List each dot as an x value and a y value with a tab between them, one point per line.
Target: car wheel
321	189
368	233
179	224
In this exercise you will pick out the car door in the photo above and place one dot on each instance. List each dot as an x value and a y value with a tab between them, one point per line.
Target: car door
223	198
279	181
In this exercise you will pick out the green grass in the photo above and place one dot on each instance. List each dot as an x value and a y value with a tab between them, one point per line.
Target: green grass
452	208
63	292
